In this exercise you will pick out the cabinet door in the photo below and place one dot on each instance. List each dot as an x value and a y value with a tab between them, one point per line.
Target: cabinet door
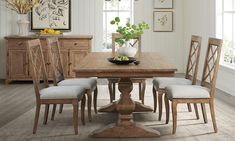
65	63
75	56
18	64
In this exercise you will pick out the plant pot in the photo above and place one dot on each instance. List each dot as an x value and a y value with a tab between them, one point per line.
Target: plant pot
23	24
127	51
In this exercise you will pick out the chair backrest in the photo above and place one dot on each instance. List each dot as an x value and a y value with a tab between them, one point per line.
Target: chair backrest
193	59
137	41
37	65
211	64
55	59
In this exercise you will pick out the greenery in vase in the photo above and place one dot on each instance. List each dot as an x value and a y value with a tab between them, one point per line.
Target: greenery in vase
21	6
129	31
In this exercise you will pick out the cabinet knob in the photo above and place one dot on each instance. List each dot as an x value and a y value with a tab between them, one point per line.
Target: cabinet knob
20	43
75	44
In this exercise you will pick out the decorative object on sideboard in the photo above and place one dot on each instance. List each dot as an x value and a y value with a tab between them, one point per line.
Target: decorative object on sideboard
22	7
163	21
54	14
163	4
129	35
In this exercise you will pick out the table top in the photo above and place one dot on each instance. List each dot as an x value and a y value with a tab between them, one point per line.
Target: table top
95	64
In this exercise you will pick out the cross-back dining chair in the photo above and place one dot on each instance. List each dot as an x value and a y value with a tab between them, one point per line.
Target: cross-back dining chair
198	94
113	81
90	84
159	83
51	95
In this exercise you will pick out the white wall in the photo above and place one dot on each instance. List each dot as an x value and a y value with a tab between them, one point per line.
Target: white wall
199	19
170	44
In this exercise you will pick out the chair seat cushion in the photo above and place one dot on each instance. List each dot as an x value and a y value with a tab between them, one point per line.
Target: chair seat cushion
62	92
187	91
162	82
86	83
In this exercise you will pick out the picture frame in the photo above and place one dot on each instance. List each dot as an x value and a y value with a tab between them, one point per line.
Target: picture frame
163	21
163	4
54	14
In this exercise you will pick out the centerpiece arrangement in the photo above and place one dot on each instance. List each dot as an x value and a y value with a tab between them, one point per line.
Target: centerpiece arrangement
22	7
129	35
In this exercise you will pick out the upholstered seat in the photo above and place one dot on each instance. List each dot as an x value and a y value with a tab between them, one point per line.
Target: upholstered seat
87	83
162	82
62	92
187	91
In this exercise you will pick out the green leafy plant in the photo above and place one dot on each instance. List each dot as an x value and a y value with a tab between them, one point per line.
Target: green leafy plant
129	31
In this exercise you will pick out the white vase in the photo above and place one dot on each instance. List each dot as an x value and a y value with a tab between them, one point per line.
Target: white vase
23	24
127	50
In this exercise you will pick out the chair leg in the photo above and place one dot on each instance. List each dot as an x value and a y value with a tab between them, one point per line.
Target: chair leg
160	94
211	103
204	112
61	108
47	106
140	89
143	91
189	107
95	99
154	100
114	91
83	105
75	116
53	112
196	110
37	112
89	100
110	92
174	115
167	108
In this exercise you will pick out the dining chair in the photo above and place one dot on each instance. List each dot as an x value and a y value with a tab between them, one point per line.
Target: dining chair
205	93
90	84
51	95
113	81
159	83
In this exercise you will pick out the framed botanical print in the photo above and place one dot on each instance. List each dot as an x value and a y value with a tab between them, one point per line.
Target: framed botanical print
163	21
163	4
54	14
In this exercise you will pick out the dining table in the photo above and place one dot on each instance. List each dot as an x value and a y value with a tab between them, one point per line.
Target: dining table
150	65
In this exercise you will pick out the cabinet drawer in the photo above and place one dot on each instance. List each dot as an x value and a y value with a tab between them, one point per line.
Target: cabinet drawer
75	44
22	44
17	44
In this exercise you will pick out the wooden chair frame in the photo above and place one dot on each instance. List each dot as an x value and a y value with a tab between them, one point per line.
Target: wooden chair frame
113	81
39	73
191	74
209	78
58	74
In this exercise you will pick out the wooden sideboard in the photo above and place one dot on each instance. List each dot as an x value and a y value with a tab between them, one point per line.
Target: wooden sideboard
73	50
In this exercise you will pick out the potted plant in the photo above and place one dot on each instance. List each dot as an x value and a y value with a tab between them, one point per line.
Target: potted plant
128	33
22	7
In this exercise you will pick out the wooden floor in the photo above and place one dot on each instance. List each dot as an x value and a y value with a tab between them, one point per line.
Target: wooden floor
17	102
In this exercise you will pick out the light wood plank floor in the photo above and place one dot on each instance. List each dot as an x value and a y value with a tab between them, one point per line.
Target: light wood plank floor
17	113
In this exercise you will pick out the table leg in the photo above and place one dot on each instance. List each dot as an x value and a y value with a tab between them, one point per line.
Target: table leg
125	127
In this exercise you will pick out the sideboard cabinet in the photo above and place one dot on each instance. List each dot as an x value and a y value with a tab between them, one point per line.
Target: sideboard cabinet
73	50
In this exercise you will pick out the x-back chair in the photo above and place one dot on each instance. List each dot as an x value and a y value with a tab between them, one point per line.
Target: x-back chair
90	84
159	83
46	95
198	94
113	81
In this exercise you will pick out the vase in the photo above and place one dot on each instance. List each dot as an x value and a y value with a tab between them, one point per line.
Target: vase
23	24
127	50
